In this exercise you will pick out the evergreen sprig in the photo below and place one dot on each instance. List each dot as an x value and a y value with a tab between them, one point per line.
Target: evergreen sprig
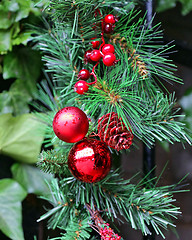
113	197
53	161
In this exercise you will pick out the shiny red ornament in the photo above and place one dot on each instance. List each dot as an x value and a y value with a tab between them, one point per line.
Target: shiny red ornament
87	55
95	55
89	160
95	44
108	48
81	87
108	28
110	18
109	59
84	74
70	124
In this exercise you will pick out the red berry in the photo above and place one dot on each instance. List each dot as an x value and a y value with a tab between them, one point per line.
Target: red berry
84	74
81	87
108	48
109	19
95	44
109	59
95	55
108	28
87	56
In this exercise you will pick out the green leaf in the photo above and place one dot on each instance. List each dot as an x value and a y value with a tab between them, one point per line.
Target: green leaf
5	40
187	6
21	137
31	178
15	100
25	64
23	38
24	9
6	18
11	195
163	5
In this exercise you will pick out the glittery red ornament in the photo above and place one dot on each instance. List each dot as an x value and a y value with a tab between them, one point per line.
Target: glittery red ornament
110	19
70	124
109	59
81	87
84	74
95	55
89	160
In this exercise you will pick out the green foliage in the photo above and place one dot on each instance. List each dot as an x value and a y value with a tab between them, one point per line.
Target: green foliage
11	29
11	196
24	64
140	102
16	99
163	5
31	178
133	88
53	162
114	197
20	137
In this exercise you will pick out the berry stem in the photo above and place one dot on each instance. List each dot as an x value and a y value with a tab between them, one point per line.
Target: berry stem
102	35
100	226
93	74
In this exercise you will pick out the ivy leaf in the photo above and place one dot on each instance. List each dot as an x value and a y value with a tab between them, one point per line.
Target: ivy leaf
31	178
11	195
24	9
25	64
15	100
6	18
5	40
21	137
163	5
187	6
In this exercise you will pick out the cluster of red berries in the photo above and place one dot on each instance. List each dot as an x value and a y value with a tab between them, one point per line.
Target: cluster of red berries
105	51
109	22
108	234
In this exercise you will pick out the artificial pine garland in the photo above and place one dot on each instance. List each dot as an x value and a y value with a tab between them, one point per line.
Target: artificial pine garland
107	66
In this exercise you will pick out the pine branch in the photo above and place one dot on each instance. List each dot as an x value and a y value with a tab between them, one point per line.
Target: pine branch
113	196
77	229
53	162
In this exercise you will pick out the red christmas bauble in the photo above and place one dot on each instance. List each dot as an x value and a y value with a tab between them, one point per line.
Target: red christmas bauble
95	44
81	87
108	28
109	59
89	160
95	55
84	74
70	124
87	56
110	18
108	48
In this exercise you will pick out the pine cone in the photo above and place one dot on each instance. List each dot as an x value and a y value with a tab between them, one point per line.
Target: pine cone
113	132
